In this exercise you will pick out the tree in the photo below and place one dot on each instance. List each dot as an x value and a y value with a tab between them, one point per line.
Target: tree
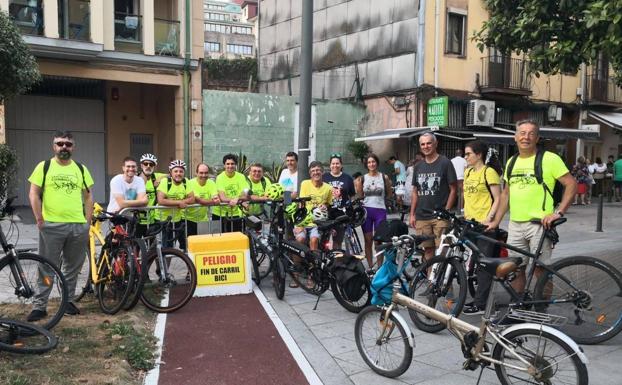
556	35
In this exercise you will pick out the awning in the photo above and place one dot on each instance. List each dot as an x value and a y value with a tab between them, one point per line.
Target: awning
395	133
567	133
612	119
494	138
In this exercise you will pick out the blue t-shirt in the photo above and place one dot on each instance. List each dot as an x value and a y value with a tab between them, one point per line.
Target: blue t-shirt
401	177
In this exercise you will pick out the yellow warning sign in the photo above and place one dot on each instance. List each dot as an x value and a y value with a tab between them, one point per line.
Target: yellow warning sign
220	268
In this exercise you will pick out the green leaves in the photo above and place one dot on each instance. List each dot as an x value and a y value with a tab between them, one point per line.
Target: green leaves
558	36
18	68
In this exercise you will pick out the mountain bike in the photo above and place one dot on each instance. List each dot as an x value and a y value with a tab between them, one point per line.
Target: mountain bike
531	352
585	290
23	275
25	338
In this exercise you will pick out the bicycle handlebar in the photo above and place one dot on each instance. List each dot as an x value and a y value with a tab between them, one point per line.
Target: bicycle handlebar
404	240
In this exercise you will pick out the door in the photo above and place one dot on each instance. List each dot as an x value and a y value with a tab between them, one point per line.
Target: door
31	122
498	69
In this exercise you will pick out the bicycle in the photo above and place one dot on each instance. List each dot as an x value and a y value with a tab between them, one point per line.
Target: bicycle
25	338
531	352
585	290
351	241
23	275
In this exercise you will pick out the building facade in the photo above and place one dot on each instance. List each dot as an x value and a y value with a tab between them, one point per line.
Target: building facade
227	33
122	75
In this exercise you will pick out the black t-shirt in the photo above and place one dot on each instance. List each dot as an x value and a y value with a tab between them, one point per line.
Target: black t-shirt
343	188
432	182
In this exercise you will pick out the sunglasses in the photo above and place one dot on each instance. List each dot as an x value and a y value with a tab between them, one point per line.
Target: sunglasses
64	144
335	155
148	164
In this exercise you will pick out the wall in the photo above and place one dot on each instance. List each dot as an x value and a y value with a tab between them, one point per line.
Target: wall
262	126
379	35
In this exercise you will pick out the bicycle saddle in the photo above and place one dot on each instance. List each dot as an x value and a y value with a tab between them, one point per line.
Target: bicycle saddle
499	267
326	225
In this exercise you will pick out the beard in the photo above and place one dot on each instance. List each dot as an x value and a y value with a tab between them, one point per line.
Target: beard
64	154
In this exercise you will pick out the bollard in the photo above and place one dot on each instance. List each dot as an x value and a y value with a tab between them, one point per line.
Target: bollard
599	214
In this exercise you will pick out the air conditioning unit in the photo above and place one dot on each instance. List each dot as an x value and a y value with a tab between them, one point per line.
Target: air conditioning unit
480	113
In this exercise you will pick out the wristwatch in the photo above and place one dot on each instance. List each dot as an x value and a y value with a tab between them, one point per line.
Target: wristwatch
559	213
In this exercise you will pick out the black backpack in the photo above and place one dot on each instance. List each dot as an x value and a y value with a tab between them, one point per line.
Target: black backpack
46	167
351	277
250	184
558	190
389	228
169	183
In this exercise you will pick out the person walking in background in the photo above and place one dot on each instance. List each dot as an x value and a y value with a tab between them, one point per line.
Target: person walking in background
617	178
373	187
481	200
62	204
608	183
399	177
590	180
434	186
127	189
289	175
598	169
205	194
460	165
581	175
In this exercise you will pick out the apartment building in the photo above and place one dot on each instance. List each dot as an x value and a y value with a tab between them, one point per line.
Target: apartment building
228	34
414	65
122	75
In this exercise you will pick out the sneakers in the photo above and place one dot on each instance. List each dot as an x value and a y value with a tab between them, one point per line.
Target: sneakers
473	309
36	315
72	309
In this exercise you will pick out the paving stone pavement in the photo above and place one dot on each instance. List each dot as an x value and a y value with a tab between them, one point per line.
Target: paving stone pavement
326	335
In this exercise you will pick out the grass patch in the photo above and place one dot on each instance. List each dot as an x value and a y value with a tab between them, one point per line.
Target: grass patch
137	347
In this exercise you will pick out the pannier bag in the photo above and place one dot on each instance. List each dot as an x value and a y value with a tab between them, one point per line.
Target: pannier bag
382	284
350	275
390	228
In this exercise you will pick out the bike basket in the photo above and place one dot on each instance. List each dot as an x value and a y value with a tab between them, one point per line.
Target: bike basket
390	228
535	317
350	276
382	284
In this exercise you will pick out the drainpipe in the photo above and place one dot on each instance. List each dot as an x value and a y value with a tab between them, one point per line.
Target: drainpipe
421	46
581	100
186	85
437	31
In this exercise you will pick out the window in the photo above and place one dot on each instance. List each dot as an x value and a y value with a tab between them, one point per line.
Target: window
212	27
216	16
240	49
241	30
211	46
456	27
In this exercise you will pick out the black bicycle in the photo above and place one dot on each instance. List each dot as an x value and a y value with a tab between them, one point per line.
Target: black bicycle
23	275
585	290
25	338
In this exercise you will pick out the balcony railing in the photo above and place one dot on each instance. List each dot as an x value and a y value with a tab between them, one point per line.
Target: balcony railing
28	19
166	33
504	74
603	90
127	32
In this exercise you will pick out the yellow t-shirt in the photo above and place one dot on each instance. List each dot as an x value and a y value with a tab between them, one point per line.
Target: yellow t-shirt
232	187
151	197
526	195
322	195
207	191
177	192
62	191
258	190
477	198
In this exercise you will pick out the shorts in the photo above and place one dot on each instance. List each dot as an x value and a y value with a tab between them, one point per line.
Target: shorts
526	236
431	227
373	219
301	233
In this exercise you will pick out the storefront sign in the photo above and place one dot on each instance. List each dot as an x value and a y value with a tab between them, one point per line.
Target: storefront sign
438	110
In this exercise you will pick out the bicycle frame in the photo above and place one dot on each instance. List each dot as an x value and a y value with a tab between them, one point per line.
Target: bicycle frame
16	268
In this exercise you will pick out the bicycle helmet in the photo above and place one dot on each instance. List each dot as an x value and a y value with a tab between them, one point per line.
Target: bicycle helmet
358	216
307	220
320	213
275	191
148	157
177	163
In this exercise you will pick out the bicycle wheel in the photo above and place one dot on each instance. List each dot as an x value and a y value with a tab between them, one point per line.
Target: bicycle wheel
594	310
260	258
25	338
352	242
117	273
441	284
352	305
167	293
278	276
553	358
382	343
139	279
16	303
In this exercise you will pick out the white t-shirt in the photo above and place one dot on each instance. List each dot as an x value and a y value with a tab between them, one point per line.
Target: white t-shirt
288	180
459	165
129	191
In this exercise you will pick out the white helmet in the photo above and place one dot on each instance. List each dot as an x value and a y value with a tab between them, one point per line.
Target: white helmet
148	157
320	213
177	163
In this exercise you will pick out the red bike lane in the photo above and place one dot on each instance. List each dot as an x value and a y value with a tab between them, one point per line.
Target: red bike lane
225	340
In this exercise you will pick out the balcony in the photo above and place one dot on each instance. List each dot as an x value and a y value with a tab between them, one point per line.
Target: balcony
505	75
166	33
603	91
128	32
27	17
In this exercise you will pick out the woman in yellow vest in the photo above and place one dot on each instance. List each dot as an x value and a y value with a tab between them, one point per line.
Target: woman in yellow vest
481	199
